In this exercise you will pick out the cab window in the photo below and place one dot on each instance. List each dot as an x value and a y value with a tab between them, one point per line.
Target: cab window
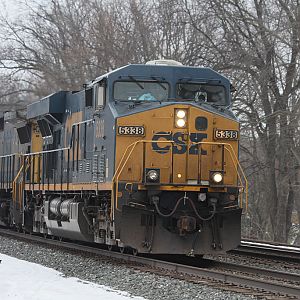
141	91
201	93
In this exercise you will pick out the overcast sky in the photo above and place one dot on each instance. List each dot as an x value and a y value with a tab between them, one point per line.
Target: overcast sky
15	8
11	7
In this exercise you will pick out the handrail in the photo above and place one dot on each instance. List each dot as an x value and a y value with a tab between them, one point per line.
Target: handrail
9	155
234	160
120	169
11	171
46	151
124	159
15	182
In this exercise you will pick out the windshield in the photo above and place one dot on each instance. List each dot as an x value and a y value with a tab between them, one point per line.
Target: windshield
141	90
202	92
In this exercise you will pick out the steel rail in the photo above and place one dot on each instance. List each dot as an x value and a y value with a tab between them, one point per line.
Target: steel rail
272	251
214	275
260	271
272	246
269	243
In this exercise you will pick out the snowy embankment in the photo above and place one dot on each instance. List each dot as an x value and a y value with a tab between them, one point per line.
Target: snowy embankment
22	280
101	271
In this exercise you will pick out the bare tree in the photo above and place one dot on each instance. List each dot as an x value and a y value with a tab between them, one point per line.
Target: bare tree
258	43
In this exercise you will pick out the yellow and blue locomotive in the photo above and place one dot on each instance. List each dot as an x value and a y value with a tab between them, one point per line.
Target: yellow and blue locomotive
144	157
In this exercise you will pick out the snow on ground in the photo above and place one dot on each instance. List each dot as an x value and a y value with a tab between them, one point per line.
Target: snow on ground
22	280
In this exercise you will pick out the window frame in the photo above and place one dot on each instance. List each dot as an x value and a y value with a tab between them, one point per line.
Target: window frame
226	100
140	81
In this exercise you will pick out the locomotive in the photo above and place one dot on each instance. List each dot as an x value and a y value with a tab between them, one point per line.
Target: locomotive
144	157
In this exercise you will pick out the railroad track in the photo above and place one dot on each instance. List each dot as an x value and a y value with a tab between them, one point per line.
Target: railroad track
268	250
228	276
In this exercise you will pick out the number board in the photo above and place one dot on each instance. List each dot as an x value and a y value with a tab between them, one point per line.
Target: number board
131	130
220	134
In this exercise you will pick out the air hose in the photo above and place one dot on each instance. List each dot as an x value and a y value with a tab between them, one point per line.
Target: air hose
171	213
192	205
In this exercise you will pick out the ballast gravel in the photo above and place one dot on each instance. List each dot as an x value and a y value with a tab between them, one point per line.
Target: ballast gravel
115	275
267	264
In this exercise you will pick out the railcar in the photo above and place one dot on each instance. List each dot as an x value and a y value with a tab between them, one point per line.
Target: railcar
144	157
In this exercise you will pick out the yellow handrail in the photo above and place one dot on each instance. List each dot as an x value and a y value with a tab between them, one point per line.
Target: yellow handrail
125	158
119	170
15	182
235	162
18	190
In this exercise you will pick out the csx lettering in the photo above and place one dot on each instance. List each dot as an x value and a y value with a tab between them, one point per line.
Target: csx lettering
180	142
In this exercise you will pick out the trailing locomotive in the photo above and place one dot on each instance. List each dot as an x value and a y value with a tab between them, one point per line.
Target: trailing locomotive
145	157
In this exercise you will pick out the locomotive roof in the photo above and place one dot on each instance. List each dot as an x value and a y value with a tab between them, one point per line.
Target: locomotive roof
138	71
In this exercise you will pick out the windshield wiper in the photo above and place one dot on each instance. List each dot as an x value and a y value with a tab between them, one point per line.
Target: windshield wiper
160	84
134	80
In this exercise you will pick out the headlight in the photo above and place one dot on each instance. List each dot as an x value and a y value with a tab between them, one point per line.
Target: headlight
153	175
180	114
217	177
180	118
180	123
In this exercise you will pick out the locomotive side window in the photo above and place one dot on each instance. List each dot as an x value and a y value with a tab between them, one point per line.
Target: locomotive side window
141	91
202	93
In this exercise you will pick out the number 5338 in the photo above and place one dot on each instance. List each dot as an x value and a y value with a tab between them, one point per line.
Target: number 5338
226	134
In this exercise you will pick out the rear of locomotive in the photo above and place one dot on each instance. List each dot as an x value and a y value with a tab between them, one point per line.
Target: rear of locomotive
178	185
